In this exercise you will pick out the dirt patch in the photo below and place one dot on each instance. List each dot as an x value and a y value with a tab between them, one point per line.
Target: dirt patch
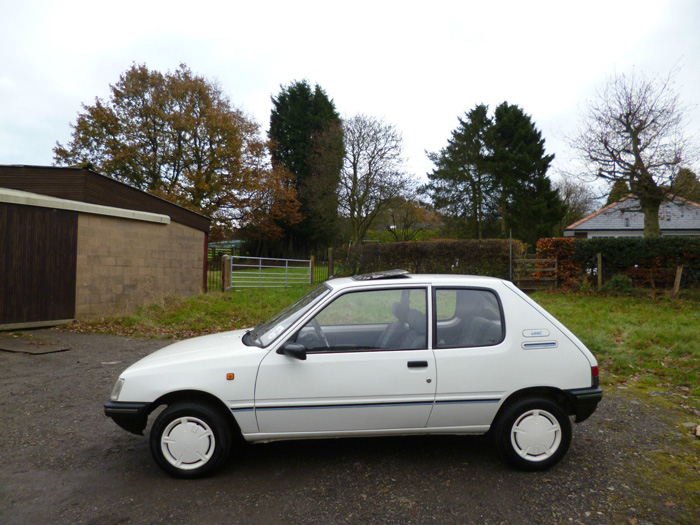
63	461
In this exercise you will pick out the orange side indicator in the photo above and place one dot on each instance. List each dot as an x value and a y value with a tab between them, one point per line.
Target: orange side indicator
229	377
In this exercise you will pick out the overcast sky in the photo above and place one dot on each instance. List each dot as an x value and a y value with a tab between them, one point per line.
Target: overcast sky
417	65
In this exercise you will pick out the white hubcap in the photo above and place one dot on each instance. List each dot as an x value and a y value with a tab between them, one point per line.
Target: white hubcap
187	443
536	435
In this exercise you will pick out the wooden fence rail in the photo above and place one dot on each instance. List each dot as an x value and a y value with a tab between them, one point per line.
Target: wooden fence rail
535	274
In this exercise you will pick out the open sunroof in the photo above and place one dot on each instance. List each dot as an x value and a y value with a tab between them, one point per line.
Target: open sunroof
386	274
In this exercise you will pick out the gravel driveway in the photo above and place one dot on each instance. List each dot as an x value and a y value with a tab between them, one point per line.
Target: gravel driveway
63	461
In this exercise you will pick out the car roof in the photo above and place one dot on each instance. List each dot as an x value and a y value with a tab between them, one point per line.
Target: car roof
393	277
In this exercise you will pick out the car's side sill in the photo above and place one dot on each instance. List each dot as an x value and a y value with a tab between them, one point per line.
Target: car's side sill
258	437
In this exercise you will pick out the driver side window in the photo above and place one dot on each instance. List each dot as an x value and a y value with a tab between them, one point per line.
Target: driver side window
369	320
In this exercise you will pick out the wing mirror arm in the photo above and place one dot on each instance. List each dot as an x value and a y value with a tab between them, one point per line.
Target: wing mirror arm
295	350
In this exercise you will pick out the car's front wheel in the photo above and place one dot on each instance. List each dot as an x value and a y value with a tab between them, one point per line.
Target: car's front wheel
533	433
190	439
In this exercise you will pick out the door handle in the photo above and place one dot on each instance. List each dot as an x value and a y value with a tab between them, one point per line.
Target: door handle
417	364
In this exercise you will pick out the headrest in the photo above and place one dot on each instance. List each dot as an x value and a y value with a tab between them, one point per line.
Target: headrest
400	311
416	320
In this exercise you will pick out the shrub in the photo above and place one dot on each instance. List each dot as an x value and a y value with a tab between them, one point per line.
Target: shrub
562	249
645	261
475	257
619	284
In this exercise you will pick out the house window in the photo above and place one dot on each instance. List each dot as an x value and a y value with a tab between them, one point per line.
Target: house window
627	222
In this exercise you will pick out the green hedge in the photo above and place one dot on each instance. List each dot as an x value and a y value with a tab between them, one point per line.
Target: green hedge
645	260
489	257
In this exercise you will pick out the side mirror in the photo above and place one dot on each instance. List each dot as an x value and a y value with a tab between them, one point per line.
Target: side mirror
295	350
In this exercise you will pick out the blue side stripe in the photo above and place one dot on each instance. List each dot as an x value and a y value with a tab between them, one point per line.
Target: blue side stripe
360	405
370	405
466	401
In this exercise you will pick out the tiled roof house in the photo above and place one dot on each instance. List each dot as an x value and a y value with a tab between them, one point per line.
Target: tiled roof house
677	217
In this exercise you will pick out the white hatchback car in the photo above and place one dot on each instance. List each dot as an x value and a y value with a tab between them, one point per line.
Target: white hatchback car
380	354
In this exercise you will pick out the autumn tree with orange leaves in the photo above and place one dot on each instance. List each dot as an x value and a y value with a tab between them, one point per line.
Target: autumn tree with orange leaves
176	135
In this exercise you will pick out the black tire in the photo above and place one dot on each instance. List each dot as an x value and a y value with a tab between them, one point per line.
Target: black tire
190	440
533	433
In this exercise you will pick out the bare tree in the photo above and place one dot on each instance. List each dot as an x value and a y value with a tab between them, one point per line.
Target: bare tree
634	131
577	196
408	220
372	175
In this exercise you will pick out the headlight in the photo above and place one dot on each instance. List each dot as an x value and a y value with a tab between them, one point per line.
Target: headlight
117	389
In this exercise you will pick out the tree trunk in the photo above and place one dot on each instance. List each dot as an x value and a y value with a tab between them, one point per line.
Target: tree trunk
476	213
650	207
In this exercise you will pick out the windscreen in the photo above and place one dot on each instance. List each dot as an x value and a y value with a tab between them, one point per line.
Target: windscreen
267	332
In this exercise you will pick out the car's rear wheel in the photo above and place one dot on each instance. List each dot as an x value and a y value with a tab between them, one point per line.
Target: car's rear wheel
190	439
533	433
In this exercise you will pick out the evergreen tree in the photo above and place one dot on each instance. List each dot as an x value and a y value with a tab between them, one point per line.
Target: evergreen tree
497	165
461	184
306	131
687	185
519	165
535	210
619	191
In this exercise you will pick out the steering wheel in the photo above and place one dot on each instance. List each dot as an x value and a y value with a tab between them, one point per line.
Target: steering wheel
319	332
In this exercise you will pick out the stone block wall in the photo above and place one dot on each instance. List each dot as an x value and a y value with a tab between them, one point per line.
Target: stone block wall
123	264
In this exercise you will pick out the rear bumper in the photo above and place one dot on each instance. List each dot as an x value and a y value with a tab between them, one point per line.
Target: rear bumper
585	401
130	416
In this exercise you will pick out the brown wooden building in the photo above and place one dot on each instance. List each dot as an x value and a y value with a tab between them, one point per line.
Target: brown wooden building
75	244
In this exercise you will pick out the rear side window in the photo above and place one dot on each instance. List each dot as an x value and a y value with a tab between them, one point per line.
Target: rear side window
467	317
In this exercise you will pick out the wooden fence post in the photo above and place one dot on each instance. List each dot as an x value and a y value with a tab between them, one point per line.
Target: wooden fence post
311	273
677	283
330	263
600	271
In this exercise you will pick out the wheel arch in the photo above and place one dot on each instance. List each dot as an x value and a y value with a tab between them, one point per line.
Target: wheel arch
552	393
198	396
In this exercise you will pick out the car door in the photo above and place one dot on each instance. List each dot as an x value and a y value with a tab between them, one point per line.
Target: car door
471	358
367	368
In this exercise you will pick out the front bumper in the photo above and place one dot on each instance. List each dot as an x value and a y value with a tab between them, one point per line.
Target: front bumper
584	401
132	417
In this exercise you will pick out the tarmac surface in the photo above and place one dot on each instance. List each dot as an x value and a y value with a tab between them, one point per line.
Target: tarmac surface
63	461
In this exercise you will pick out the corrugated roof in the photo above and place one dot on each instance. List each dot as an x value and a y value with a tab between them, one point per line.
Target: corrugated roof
26	198
86	185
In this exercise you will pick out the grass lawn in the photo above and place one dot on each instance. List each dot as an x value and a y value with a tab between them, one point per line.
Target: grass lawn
647	342
201	314
651	342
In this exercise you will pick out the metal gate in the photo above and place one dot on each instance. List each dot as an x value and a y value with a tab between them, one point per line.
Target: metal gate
257	272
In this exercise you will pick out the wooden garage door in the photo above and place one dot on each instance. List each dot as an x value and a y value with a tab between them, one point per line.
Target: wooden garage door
38	251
